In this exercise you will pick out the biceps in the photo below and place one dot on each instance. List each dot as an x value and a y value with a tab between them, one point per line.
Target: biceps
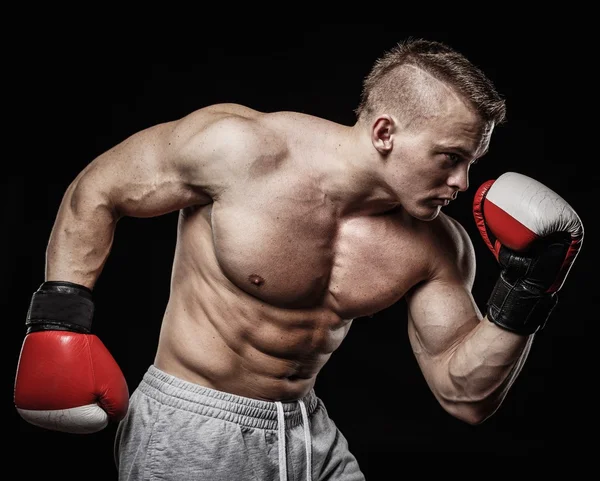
440	315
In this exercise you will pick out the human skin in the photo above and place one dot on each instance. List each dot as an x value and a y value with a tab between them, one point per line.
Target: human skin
290	227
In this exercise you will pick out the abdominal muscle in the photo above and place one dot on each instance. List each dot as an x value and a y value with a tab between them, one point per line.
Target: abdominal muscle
219	336
248	351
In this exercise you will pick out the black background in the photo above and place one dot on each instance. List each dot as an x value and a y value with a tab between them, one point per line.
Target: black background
77	97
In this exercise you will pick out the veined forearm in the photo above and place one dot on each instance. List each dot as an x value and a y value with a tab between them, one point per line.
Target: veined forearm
484	365
81	237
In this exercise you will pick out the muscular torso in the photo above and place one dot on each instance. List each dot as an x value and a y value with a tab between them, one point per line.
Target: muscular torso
268	278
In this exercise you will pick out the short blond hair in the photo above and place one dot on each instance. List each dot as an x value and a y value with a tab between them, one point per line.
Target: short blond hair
398	83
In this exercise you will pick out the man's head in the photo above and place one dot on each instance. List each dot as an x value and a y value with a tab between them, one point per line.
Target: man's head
430	113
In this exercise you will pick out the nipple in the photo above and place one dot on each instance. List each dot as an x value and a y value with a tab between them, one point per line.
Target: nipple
256	280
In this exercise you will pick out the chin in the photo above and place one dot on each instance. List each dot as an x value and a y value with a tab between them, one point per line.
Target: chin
426	214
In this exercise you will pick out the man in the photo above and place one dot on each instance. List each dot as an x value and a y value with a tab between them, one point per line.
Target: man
290	227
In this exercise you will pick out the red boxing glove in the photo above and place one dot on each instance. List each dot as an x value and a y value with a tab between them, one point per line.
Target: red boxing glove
535	236
66	378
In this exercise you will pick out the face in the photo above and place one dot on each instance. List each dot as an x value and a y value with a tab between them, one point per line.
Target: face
428	166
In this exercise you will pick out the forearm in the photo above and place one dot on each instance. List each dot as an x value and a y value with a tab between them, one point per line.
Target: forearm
82	235
478	373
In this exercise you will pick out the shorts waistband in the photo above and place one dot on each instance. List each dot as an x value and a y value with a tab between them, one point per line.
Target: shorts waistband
172	391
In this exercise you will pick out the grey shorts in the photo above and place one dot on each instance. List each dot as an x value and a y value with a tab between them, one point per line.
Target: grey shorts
177	430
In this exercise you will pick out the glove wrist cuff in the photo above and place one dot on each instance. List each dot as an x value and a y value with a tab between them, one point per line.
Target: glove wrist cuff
59	305
518	310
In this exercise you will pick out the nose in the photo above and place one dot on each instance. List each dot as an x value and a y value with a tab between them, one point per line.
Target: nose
459	179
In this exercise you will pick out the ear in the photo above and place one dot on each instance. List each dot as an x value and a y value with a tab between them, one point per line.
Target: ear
382	134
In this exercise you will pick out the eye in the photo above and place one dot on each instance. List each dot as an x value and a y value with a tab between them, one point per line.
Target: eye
453	158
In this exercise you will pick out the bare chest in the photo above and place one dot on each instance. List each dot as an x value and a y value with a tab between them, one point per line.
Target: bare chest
297	253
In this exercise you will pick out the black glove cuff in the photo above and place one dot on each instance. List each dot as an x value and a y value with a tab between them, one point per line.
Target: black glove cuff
518	310
59	305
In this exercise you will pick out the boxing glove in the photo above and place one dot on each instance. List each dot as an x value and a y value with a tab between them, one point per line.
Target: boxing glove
66	379
535	236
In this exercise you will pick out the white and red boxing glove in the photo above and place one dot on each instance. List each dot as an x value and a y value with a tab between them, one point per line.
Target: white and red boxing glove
535	236
66	378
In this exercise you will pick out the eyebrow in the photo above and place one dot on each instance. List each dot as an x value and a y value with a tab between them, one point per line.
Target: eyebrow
467	154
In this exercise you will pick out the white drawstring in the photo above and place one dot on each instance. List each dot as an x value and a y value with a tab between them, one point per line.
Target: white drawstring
282	456
307	441
282	448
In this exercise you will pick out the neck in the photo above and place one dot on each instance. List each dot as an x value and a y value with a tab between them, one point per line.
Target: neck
351	178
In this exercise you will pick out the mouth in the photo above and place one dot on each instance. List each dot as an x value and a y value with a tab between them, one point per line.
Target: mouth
443	201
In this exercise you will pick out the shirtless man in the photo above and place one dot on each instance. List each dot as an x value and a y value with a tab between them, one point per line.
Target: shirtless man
290	227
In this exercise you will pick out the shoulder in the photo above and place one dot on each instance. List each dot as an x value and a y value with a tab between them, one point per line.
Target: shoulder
454	249
235	124
232	132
